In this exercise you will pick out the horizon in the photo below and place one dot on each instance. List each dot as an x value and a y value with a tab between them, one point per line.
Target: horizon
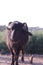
28	26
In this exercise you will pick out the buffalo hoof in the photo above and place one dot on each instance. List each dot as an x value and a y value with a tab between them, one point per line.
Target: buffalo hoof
16	63
31	62
22	59
12	64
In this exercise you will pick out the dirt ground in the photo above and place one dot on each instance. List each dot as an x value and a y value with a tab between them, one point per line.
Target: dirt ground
37	60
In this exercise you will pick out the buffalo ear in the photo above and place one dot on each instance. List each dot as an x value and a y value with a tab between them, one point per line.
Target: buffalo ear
24	24
9	25
25	27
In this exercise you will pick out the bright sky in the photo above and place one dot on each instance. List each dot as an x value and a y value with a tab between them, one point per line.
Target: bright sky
30	11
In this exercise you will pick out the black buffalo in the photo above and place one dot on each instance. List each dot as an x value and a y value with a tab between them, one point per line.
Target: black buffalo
16	39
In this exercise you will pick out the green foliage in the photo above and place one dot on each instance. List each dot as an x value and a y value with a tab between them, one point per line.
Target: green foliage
3	47
35	45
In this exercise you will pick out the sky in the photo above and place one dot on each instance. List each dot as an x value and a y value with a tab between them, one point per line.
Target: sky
29	11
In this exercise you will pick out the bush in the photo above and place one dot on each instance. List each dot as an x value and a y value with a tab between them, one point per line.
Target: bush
35	46
3	48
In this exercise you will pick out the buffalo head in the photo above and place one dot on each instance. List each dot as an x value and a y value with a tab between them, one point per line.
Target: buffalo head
18	30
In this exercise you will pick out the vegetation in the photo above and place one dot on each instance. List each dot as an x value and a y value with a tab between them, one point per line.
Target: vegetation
34	45
3	47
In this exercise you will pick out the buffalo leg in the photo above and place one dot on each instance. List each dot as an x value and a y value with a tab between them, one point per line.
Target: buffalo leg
12	60
16	57
22	55
31	59
12	63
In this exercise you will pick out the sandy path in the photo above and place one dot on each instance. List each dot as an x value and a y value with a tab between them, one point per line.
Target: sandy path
6	60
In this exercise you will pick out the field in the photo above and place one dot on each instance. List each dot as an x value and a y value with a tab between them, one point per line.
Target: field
37	60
